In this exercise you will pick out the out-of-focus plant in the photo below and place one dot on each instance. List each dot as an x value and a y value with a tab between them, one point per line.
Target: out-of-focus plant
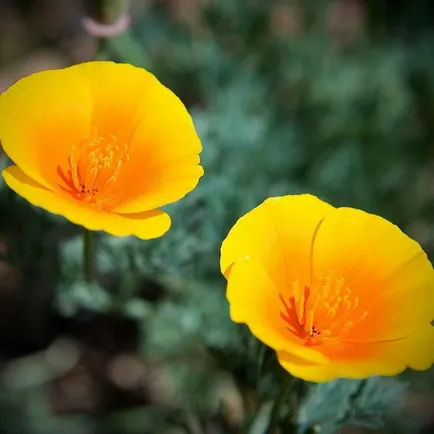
286	101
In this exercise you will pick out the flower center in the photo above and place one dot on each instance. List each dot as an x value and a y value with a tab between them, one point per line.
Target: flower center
321	311
94	166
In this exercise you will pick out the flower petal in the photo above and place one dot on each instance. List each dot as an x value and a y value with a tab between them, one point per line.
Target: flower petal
365	360
160	186
338	369
279	234
138	110
388	272
42	117
254	300
416	351
386	315
146	225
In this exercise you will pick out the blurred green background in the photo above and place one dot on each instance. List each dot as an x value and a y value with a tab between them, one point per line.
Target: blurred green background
334	97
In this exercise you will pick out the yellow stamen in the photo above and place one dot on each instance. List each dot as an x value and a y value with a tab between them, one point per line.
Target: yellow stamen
94	166
321	311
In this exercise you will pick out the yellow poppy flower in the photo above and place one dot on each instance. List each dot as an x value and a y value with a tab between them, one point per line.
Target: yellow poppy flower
103	144
336	292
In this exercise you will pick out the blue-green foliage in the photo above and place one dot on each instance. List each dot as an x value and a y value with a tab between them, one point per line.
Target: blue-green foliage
364	403
276	116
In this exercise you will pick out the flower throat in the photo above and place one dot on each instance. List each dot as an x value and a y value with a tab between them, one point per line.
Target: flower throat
321	311
94	166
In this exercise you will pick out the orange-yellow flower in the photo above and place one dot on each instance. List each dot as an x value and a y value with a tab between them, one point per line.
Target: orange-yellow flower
337	292
103	144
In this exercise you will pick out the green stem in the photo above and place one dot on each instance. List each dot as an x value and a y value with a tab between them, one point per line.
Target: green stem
88	255
277	406
107	11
